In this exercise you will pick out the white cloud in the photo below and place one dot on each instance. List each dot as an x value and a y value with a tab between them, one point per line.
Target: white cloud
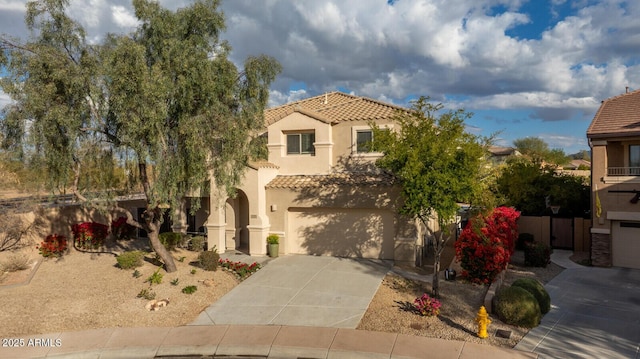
123	17
441	48
12	5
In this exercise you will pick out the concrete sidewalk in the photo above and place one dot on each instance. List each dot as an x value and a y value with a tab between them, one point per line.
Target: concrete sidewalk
270	341
301	290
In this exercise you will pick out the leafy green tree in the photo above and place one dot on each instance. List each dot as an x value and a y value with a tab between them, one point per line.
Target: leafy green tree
531	189
437	163
538	151
165	99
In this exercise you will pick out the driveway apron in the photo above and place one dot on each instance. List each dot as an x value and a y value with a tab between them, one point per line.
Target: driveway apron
301	290
595	314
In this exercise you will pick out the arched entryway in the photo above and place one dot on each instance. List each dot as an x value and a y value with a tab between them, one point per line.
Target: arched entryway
237	220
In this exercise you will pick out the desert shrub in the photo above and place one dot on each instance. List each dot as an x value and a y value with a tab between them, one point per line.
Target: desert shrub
536	288
147	294
15	262
516	306
129	260
121	229
523	240
197	243
190	289
13	230
89	235
54	245
485	246
427	306
155	278
209	259
537	254
171	240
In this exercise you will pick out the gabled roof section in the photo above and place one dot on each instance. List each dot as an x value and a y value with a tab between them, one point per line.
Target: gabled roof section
617	116
335	107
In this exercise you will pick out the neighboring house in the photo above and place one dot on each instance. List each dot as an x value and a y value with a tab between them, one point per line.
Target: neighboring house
319	190
614	138
575	165
499	155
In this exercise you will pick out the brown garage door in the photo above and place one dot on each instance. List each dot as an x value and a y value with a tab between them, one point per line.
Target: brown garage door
626	244
362	233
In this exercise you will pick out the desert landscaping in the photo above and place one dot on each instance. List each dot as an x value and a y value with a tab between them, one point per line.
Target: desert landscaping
80	290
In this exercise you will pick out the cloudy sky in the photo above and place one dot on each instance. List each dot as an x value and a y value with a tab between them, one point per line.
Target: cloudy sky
524	68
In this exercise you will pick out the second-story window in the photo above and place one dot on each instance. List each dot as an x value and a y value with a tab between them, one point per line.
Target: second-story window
301	143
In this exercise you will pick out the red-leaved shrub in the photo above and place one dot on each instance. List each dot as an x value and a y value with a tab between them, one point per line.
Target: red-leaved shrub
485	246
53	245
89	235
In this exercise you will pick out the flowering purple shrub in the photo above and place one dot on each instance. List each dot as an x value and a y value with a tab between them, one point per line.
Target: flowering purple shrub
427	306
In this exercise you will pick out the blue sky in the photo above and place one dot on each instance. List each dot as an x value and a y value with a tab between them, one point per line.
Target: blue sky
524	68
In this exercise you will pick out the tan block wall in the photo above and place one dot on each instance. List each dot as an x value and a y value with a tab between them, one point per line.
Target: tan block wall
540	227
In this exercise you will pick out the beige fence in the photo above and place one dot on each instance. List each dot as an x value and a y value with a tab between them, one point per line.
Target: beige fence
540	227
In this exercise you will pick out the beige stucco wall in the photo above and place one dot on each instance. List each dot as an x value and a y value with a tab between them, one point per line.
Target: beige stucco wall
320	162
344	143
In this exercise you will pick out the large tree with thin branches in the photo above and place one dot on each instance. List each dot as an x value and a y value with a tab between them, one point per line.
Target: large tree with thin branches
165	100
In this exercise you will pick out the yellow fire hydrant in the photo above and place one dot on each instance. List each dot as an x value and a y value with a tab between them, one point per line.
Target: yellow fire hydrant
483	322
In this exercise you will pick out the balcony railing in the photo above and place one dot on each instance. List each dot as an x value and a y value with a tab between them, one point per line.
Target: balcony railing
623	171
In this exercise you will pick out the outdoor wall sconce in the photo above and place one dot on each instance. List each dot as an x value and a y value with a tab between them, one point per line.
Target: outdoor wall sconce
635	198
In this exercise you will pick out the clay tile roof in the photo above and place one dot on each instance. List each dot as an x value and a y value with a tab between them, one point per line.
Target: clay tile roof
617	116
261	164
333	179
502	151
335	107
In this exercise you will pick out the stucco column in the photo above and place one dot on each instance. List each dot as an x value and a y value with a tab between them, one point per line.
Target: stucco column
259	224
216	226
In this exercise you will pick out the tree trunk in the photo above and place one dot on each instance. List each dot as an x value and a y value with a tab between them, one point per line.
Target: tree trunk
165	256
435	285
439	247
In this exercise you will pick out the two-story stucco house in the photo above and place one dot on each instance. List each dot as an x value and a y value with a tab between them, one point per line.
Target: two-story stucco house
319	190
614	137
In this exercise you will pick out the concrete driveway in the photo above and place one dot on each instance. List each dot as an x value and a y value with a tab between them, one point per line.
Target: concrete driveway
301	290
595	314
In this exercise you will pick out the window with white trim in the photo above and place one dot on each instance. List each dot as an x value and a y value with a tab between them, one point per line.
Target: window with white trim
364	141
301	143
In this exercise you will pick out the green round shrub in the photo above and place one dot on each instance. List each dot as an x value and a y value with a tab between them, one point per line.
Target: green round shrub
128	260
171	240
536	288
516	306
209	260
197	243
537	254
